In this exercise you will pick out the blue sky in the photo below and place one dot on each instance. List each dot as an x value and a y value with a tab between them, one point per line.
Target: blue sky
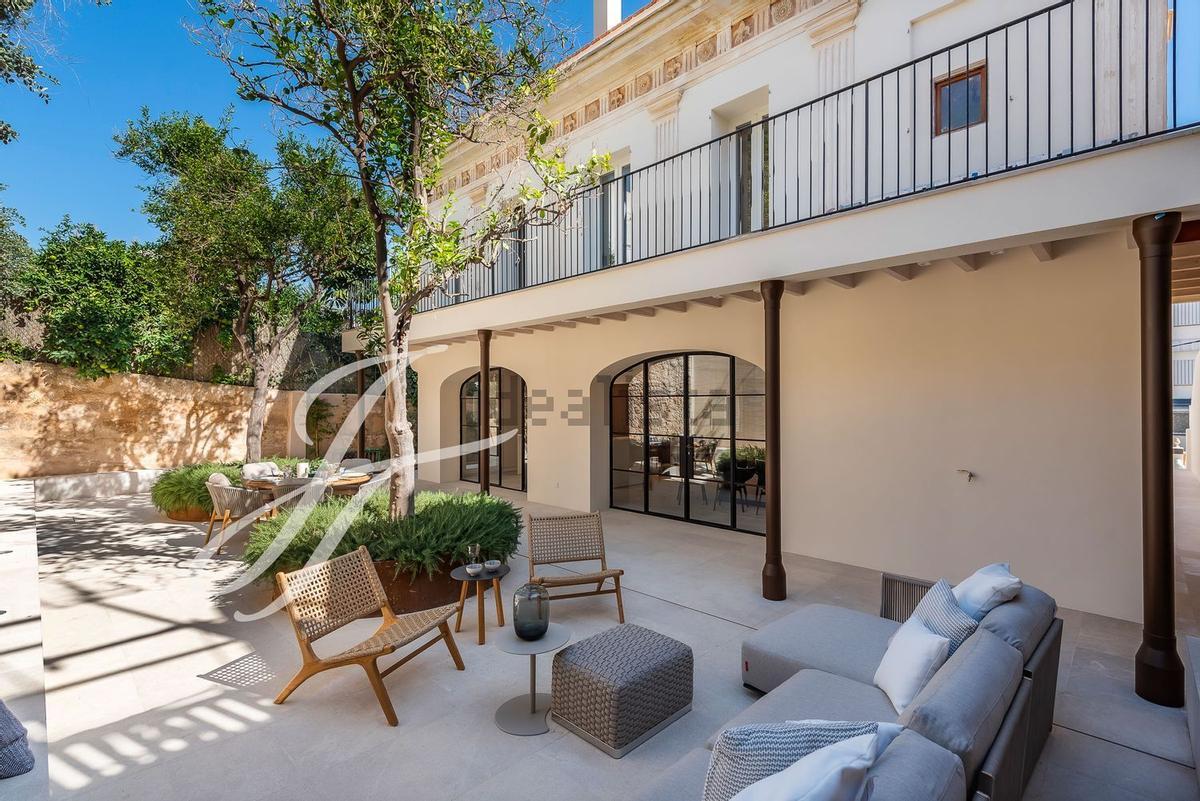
111	61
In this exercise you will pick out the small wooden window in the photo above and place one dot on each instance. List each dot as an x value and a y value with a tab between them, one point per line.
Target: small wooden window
959	100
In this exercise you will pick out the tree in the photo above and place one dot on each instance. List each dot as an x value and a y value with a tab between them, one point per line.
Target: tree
19	40
266	242
105	306
396	84
15	252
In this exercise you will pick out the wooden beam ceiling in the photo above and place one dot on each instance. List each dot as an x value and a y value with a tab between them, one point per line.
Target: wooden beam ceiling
844	281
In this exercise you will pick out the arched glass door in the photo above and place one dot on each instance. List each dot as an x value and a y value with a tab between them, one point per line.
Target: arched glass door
507	415
688	440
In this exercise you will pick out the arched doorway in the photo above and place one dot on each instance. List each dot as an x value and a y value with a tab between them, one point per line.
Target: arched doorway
507	415
688	440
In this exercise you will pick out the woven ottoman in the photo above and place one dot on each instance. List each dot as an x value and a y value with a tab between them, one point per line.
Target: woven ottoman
621	687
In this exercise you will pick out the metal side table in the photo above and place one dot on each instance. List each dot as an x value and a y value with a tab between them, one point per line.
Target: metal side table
525	715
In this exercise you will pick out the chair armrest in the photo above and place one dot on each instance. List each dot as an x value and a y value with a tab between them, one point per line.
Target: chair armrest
900	596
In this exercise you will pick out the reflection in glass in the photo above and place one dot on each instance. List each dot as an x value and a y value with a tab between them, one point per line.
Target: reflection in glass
666	376
628	453
708	375
751	417
627	490
709	416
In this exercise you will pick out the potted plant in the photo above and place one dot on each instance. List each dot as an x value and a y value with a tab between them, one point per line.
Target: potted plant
413	555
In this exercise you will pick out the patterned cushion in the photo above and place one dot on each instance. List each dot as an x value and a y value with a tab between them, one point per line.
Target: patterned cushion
747	754
939	612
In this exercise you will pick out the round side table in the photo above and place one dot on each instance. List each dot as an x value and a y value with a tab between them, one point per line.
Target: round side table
525	715
481	582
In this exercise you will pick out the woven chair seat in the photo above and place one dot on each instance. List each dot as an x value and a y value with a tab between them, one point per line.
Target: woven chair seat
406	629
577	578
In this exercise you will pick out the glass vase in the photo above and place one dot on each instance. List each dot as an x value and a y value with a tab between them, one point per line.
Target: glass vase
531	612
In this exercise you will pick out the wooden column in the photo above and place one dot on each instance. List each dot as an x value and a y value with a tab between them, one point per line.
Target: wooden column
1158	670
362	388
485	409
774	578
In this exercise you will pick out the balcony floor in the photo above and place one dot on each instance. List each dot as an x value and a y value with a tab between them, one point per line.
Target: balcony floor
154	691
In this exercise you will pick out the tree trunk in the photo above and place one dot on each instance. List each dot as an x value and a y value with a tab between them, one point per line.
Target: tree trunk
258	410
402	485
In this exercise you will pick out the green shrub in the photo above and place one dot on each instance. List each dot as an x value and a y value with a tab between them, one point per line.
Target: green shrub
183	487
442	527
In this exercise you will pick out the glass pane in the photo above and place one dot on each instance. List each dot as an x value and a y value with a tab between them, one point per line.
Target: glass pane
470	467
752	507
666	416
666	376
627	413
666	455
975	85
752	417
708	375
751	380
627	490
470	388
470	412
956	111
666	494
710	458
628	382
708	504
710	416
943	108
627	453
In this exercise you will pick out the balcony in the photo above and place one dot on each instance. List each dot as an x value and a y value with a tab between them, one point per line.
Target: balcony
1073	79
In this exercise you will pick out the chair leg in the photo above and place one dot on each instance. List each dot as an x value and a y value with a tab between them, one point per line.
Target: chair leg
620	603
302	675
381	693
212	518
462	601
451	646
221	536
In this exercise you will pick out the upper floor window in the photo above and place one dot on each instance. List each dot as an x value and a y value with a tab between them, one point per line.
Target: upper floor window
958	100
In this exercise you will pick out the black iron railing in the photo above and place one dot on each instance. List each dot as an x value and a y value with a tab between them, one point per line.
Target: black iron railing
1077	77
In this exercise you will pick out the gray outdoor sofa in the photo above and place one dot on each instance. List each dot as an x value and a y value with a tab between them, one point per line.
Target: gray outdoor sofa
973	734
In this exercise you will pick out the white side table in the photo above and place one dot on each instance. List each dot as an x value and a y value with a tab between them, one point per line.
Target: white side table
525	715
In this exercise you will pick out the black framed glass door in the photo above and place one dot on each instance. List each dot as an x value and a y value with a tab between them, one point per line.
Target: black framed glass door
508	410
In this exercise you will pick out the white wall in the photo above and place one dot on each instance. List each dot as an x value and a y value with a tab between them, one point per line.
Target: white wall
1025	373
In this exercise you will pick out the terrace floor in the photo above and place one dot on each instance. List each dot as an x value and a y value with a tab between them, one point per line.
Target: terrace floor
153	690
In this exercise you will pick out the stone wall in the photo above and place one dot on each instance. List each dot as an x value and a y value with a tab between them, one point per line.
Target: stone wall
52	422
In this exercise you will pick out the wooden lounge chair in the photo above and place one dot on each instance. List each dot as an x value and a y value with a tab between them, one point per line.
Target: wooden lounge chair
554	539
323	598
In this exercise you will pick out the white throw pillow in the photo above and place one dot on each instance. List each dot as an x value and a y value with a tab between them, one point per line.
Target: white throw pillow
914	654
987	588
834	773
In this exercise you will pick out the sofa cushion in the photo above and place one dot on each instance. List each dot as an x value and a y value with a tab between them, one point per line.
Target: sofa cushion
829	638
683	781
816	695
939	612
914	768
986	588
744	755
1023	621
963	705
912	658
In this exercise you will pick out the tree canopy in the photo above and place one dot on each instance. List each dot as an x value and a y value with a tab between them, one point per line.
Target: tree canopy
395	85
105	306
266	241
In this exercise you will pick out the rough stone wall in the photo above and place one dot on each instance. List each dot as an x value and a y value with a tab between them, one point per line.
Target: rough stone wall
52	422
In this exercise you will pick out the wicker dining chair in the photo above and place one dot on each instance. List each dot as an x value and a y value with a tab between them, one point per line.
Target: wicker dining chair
554	539
231	503
323	598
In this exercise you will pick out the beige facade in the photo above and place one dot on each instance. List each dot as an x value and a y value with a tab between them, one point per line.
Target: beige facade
1023	372
52	422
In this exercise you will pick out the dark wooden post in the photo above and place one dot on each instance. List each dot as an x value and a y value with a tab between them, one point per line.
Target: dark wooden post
774	578
485	409
362	388
1158	670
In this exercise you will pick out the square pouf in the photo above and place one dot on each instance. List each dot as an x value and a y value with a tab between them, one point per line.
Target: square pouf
620	687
